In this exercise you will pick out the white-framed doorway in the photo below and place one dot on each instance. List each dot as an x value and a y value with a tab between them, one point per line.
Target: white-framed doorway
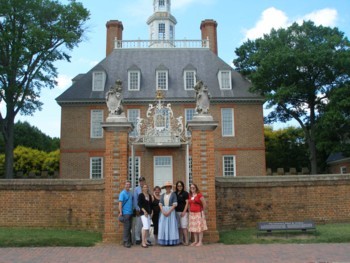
163	170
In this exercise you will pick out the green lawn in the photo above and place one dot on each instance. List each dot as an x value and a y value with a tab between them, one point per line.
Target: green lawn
329	233
39	237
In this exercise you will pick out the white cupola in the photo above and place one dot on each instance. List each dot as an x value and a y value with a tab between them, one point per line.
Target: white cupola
161	24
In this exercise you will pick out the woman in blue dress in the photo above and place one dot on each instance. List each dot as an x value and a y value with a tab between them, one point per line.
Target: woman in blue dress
168	233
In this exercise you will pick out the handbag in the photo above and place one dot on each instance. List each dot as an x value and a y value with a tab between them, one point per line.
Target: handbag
121	218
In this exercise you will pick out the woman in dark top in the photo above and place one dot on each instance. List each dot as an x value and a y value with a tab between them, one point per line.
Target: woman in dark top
181	211
155	211
145	204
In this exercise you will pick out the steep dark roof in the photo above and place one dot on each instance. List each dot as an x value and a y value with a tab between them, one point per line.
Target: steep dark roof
176	60
334	157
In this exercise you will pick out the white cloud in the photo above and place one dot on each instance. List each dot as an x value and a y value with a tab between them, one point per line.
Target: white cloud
325	17
275	18
63	81
270	18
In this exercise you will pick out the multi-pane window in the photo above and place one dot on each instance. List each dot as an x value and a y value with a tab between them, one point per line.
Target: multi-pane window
98	81
227	122
163	161
343	170
162	80
133	114
134	80
162	119
225	79
161	31
137	166
189	79
189	113
161	2
96	168
228	162
96	130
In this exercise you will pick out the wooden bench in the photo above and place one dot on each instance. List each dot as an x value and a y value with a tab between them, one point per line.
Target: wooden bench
268	227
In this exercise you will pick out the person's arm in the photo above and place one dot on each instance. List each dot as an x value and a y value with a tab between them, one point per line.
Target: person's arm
204	203
185	209
173	199
120	204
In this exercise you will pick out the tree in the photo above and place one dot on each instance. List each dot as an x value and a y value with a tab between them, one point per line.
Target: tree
334	125
296	69
31	137
285	148
33	35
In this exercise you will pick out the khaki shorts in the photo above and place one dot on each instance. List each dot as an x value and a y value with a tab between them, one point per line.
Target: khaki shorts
182	221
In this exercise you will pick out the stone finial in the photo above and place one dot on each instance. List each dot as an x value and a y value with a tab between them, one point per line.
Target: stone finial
202	102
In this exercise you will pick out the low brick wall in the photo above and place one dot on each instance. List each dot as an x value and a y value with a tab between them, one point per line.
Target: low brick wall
57	203
244	201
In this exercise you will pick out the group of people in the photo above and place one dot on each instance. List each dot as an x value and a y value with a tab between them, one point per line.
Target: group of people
173	213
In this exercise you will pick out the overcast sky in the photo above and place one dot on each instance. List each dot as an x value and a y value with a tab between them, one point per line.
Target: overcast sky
237	21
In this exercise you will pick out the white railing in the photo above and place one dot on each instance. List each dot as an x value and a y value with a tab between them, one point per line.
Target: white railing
161	43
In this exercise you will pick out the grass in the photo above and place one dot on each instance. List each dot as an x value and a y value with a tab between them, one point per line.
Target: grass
329	233
39	237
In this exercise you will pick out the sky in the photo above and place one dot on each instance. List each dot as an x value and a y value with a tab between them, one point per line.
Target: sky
237	22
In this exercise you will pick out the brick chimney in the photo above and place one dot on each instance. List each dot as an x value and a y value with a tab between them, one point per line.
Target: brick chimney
114	30
208	29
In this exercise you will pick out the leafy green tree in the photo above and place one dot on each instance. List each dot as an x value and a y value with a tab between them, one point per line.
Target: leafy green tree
28	160
51	162
296	69
334	125
285	148
33	35
30	136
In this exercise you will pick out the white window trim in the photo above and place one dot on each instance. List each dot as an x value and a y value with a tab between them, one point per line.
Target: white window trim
233	122
194	80
220	79
91	125
134	122
138	80
91	159
234	165
166	79
102	88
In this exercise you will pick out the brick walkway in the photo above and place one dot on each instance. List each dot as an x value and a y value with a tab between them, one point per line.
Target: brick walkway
320	253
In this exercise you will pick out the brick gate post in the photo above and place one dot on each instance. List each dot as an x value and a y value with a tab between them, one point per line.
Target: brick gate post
203	168
115	175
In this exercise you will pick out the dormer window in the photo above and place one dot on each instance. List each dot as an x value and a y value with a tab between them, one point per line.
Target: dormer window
161	3
189	79
98	81
134	77
225	79
162	79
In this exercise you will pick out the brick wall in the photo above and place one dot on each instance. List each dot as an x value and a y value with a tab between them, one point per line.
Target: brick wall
248	143
76	204
244	201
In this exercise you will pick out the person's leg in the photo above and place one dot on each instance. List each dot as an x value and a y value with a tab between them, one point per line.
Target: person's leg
129	226
126	231
195	239
138	227
185	235
200	239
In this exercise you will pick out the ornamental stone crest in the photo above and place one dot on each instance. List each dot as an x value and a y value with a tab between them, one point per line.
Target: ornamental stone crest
160	127
114	102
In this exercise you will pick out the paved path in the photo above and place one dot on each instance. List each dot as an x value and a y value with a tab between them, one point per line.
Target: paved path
214	253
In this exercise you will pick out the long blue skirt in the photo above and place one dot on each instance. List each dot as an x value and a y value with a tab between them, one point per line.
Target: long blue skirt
168	232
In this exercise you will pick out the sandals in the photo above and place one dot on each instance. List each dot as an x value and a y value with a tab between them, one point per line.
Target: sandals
144	246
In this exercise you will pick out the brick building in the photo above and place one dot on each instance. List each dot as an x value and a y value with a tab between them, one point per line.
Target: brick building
172	67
